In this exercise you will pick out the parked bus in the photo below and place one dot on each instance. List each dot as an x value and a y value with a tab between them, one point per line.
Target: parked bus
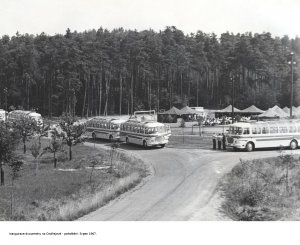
3	115
263	134
104	128
19	114
145	133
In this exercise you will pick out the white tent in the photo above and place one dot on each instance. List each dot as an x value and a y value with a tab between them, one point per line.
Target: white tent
272	113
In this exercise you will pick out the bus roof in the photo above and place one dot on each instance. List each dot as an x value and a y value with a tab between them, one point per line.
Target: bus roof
247	124
145	123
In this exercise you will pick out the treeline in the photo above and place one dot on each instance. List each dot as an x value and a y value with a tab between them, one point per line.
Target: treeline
102	72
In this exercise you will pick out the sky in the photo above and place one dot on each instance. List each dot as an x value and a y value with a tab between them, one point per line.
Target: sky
279	17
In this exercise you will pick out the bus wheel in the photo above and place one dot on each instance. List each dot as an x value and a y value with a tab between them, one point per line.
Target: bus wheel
249	147
145	144
293	144
162	145
93	136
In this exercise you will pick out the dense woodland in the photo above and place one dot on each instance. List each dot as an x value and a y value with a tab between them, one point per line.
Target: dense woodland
100	72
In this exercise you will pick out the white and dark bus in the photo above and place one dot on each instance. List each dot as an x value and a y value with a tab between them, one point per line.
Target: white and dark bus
145	133
104	128
264	134
20	114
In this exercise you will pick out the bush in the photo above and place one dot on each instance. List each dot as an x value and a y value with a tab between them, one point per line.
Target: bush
261	189
182	123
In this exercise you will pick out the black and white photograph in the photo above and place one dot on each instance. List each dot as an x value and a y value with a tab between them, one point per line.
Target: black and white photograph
139	112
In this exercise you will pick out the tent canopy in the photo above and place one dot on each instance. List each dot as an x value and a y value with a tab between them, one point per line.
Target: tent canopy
229	109
279	111
188	110
174	111
273	113
296	111
252	109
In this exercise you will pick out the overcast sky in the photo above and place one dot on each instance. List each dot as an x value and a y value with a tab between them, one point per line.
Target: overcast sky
279	17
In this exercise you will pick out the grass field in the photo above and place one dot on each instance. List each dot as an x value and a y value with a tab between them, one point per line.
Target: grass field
266	189
71	190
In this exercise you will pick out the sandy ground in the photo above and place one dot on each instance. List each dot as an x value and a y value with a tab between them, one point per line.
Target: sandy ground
182	186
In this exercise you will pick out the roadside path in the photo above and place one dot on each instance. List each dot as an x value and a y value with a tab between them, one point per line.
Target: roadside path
183	185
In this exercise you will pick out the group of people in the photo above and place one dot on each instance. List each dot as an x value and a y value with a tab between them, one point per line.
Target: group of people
219	140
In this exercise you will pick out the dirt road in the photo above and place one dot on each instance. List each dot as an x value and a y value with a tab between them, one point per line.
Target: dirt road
183	185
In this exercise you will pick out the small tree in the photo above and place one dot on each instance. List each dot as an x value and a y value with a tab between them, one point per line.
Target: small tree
113	146
15	167
42	130
72	131
36	152
94	162
8	143
55	145
182	123
26	128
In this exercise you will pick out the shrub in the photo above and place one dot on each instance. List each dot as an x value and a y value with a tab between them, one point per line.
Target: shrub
182	123
261	189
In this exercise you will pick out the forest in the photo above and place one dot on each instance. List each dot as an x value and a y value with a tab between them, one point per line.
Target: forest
102	72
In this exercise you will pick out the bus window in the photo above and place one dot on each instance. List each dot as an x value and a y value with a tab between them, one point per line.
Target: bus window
298	129
273	129
238	130
292	129
256	130
265	130
283	129
246	131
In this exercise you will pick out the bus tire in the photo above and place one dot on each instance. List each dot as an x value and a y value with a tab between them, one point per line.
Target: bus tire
249	146
162	145
145	144
294	145
94	136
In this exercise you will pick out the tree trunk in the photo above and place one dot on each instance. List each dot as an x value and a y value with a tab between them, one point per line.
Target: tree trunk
36	167
131	94
24	147
11	198
70	152
84	99
55	160
120	106
2	174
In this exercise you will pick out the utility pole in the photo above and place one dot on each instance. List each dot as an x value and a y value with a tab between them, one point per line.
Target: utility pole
232	98
292	63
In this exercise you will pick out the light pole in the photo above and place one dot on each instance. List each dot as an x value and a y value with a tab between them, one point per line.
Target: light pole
232	98
292	63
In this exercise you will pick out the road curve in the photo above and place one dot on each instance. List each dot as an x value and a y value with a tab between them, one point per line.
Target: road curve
183	185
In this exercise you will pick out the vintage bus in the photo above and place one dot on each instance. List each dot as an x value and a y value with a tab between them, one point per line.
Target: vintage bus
264	134
20	114
3	115
145	133
104	128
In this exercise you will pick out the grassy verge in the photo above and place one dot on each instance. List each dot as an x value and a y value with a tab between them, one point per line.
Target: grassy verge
71	190
267	189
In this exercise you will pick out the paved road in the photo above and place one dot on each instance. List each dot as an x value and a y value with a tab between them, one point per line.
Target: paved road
183	185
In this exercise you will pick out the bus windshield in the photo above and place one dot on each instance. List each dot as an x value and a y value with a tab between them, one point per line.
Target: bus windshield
235	130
